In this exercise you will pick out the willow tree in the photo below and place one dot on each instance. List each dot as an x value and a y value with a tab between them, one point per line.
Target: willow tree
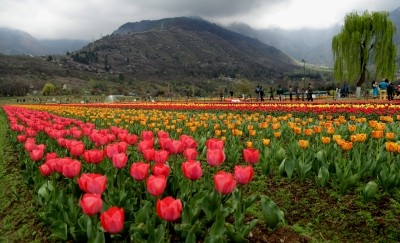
365	40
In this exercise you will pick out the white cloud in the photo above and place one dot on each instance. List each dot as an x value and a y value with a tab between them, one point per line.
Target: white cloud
90	19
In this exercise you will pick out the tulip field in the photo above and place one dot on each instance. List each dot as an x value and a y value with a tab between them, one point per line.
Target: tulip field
212	172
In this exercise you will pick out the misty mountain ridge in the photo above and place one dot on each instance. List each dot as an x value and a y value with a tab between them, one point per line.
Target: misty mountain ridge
179	48
312	45
17	42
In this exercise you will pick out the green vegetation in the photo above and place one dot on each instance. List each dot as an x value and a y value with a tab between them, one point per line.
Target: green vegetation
365	39
19	220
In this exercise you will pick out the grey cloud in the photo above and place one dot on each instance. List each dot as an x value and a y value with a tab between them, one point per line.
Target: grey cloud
207	8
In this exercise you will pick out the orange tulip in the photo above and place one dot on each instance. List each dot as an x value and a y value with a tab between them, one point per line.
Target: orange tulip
266	141
277	134
377	134
330	130
346	145
325	140
317	129
308	132
352	128
391	146
303	144
389	135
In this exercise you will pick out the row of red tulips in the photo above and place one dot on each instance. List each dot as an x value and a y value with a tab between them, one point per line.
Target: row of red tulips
78	154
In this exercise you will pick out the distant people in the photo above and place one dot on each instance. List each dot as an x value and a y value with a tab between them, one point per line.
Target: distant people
303	93
383	89
398	90
290	93
309	93
337	93
298	91
390	91
231	93
261	93
375	90
221	96
257	92
280	92
345	90
271	94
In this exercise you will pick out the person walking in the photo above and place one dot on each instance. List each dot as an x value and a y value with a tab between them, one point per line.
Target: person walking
298	93
231	93
375	90
290	93
309	93
271	94
390	91
280	92
383	89
261	93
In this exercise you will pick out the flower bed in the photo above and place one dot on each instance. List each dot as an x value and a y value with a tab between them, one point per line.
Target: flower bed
153	173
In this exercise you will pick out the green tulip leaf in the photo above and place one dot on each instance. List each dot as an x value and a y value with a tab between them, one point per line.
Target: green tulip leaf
370	191
234	235
272	214
59	230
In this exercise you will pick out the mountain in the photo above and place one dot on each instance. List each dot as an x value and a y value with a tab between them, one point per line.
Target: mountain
178	48
395	17
313	45
16	42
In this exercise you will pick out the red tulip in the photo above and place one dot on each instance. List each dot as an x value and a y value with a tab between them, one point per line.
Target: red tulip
29	145
91	203
169	209
192	170
76	148
139	170
156	185
162	134
21	138
122	136
131	139
215	143
112	220
215	157
148	154
251	155
147	135
190	154
161	169
51	155
122	147
93	156
188	141
77	134
111	150
224	182
165	143
160	156
92	183
30	132
45	169
176	147
36	154
243	174
145	144
119	160
71	168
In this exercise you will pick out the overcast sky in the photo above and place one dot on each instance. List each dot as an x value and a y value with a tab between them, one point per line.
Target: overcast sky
92	19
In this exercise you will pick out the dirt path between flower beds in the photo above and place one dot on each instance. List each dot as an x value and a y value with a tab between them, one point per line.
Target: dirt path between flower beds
19	221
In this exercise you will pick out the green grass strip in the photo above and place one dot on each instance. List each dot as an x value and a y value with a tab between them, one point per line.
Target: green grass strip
19	221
